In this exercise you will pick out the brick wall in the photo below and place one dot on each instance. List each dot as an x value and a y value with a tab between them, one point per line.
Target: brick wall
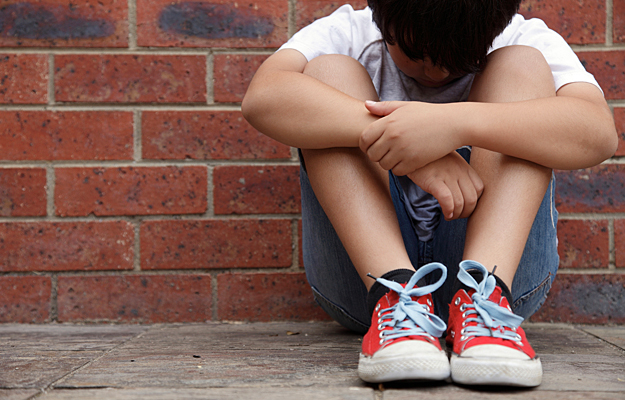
132	190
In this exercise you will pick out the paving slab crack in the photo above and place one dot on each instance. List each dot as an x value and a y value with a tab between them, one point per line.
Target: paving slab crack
52	385
583	329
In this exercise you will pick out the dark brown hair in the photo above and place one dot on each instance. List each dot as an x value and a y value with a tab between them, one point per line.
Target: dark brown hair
454	34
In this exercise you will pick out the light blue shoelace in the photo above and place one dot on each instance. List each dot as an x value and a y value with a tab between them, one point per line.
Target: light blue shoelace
407	317
491	318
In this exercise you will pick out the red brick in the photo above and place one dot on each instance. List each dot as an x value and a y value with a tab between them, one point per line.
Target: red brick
256	189
619	243
619	120
585	299
266	297
25	299
205	135
130	191
232	76
608	67
599	189
300	254
23	78
579	22
309	10
202	244
618	23
66	135
22	192
135	298
130	78
583	244
64	23
66	246
214	23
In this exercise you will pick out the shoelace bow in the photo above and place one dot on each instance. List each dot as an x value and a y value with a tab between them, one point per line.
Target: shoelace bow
408	317
492	319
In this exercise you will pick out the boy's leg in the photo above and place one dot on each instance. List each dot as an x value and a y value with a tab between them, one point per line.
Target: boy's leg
353	191
498	229
354	194
497	234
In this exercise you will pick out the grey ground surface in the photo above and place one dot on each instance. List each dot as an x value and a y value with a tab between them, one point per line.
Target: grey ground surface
269	361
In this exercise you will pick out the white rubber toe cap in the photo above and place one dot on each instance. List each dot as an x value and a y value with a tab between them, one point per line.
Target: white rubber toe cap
407	347
494	351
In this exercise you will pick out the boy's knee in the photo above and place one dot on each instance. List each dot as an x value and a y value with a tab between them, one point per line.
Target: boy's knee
332	64
514	73
343	73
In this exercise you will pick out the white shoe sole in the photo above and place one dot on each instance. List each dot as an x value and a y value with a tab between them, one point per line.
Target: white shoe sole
493	371
422	367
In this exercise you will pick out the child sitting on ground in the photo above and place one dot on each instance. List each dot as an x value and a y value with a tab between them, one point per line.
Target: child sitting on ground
428	131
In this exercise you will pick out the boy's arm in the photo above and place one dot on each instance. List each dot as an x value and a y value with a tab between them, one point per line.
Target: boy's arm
572	130
300	111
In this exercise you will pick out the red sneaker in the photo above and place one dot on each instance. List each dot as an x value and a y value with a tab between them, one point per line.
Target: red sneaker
402	342
489	346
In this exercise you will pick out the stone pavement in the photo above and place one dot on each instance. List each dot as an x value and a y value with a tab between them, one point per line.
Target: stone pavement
269	361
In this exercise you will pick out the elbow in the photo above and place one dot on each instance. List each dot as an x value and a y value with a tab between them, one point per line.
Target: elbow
248	108
607	145
612	144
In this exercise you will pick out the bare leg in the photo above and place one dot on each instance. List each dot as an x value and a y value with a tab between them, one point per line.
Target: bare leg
352	190
513	189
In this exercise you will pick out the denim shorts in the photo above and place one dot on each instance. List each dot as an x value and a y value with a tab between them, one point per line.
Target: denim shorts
339	290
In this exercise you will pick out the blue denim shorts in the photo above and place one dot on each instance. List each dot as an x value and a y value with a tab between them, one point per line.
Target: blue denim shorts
339	290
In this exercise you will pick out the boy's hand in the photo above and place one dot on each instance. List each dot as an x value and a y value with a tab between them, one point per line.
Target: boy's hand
453	182
409	136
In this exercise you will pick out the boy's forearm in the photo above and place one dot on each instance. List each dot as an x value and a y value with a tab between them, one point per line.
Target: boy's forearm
556	132
303	112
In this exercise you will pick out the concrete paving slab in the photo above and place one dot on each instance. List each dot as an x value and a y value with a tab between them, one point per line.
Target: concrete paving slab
63	337
270	360
287	393
35	356
17	394
574	360
457	393
612	334
223	355
563	339
583	373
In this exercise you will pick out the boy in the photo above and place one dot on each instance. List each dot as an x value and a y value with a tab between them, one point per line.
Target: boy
477	107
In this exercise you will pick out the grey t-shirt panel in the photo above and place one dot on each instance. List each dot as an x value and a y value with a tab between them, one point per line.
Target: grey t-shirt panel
392	84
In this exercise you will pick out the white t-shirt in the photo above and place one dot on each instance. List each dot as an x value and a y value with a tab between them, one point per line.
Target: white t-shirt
353	33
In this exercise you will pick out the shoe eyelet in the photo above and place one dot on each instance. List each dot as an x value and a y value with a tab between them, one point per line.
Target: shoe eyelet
519	338
464	314
462	331
380	327
457	301
464	323
379	321
463	338
377	308
379	314
427	308
463	306
429	302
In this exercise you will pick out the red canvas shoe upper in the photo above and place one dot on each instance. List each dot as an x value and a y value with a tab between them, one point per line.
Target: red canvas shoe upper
381	334
475	319
405	313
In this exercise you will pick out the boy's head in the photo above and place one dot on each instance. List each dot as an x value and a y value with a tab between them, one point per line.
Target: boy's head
453	34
